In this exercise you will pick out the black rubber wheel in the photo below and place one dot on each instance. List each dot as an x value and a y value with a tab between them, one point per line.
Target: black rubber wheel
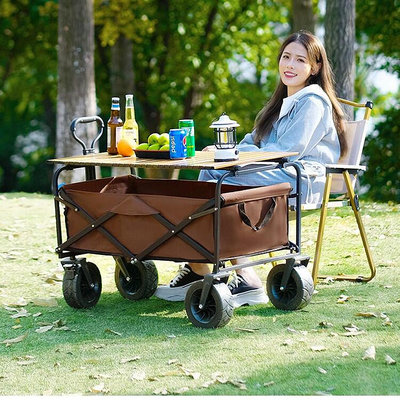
218	309
298	291
142	282
76	289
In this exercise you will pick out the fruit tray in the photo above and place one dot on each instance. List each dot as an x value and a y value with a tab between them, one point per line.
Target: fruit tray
161	154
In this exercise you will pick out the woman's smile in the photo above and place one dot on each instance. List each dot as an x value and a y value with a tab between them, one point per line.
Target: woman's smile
294	67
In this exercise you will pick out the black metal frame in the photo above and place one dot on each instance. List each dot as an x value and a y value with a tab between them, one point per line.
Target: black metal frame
212	206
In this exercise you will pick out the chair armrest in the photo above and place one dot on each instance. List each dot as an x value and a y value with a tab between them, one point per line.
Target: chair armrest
339	168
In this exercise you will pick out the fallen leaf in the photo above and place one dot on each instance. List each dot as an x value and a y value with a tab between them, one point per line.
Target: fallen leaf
188	372
325	324
266	384
131	359
355	333
239	384
18	339
100	388
369	353
113	332
318	348
22	358
12	309
27	362
43	329
366	315
138	375
389	360
100	376
249	330
50	302
21	313
162	391
59	323
342	299
387	322
181	390
351	328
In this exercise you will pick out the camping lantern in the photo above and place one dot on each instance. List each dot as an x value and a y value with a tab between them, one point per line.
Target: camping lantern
225	139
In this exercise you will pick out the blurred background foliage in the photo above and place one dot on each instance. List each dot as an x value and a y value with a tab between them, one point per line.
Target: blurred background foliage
190	59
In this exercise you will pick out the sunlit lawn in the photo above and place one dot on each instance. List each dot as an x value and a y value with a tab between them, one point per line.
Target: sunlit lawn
149	347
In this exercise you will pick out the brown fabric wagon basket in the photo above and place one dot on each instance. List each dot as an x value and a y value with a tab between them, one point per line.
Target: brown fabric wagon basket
138	212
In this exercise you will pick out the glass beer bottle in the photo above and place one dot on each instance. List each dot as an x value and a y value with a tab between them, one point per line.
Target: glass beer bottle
114	127
130	128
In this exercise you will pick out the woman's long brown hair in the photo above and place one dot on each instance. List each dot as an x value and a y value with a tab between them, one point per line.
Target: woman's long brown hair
324	78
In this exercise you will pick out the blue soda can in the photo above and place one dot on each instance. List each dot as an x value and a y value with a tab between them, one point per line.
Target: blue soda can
177	143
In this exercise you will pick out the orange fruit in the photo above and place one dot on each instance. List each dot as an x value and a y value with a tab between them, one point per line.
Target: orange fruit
124	147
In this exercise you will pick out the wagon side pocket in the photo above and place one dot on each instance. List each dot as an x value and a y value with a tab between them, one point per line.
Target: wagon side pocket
264	219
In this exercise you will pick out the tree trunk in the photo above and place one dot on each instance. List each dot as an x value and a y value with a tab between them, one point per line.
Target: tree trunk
303	16
122	80
76	86
339	43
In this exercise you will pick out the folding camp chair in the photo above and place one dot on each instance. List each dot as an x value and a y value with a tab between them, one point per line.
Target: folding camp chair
340	184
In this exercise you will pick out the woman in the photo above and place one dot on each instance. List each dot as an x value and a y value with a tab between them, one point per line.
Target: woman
303	116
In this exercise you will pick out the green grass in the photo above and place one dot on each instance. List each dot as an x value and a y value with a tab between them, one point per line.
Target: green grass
262	351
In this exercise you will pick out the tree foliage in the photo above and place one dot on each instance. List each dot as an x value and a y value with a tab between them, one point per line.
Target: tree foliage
28	83
382	153
189	57
378	26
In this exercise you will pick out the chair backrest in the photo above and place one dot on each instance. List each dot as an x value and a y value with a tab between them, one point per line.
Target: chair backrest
355	132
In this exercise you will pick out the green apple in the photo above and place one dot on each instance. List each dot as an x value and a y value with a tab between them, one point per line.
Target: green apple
153	138
163	139
165	147
142	146
154	146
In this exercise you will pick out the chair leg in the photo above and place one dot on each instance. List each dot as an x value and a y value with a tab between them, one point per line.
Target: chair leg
321	227
356	210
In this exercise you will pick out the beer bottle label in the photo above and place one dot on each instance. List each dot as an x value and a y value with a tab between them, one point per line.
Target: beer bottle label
118	132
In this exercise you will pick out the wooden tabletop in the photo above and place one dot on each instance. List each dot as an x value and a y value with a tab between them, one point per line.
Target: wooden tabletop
202	160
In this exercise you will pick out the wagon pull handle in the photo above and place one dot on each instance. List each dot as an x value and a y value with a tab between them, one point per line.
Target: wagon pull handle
268	215
86	120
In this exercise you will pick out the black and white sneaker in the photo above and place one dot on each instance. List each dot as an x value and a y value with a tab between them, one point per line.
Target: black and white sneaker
177	288
244	294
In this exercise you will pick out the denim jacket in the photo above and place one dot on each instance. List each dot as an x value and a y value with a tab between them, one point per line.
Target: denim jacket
305	125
